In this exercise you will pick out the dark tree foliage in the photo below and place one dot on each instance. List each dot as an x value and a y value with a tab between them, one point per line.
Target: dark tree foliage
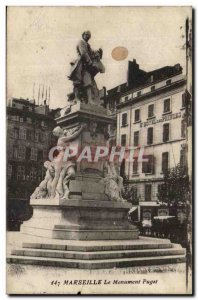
129	193
174	192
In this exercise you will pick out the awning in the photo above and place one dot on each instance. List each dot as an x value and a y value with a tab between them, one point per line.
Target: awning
163	217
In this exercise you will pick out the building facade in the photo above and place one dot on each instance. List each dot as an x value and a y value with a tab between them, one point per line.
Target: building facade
29	138
150	112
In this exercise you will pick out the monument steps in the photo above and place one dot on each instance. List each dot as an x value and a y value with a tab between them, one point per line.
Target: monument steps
99	254
97	264
96	246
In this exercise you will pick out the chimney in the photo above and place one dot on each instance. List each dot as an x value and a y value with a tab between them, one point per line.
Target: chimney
178	68
133	71
135	76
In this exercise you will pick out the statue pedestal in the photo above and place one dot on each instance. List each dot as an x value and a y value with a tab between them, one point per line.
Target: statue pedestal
80	220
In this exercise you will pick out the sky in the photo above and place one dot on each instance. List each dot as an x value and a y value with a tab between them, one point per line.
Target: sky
41	43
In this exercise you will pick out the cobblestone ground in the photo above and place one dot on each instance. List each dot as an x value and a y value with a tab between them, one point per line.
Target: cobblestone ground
20	269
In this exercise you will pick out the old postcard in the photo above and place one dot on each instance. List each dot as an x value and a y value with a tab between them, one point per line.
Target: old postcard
99	150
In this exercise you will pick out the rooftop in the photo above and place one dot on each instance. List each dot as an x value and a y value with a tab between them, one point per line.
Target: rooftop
29	106
139	78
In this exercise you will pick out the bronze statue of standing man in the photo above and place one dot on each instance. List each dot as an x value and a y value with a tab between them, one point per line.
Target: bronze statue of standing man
84	69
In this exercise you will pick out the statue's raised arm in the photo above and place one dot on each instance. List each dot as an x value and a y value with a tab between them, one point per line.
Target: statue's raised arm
65	136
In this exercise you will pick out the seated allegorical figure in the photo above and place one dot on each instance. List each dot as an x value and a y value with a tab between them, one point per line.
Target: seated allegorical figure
59	172
44	188
113	182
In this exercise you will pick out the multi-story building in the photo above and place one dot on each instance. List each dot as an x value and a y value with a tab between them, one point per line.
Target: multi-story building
29	138
150	109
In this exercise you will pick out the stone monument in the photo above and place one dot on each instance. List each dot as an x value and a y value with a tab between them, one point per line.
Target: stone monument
80	219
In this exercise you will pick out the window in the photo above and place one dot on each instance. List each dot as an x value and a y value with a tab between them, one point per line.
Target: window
183	128
45	157
30	135
183	157
11	132
166	132
167	105
39	174
135	192
150	136
10	152
15	118
22	133
15	152
33	174
136	138
126	98
160	187
9	171
152	78
21	119
152	88
20	172
183	100
122	168
165	158
110	104
29	120
150	110
148	166
135	166
33	154
46	137
123	140
28	153
21	152
40	154
168	82
148	192
43	124
36	136
124	119
137	115
139	93
16	133
25	108
42	137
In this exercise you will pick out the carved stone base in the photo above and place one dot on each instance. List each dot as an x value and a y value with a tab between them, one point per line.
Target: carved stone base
80	220
87	188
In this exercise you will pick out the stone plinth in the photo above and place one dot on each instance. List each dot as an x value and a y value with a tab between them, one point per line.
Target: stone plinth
80	112
96	120
80	220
